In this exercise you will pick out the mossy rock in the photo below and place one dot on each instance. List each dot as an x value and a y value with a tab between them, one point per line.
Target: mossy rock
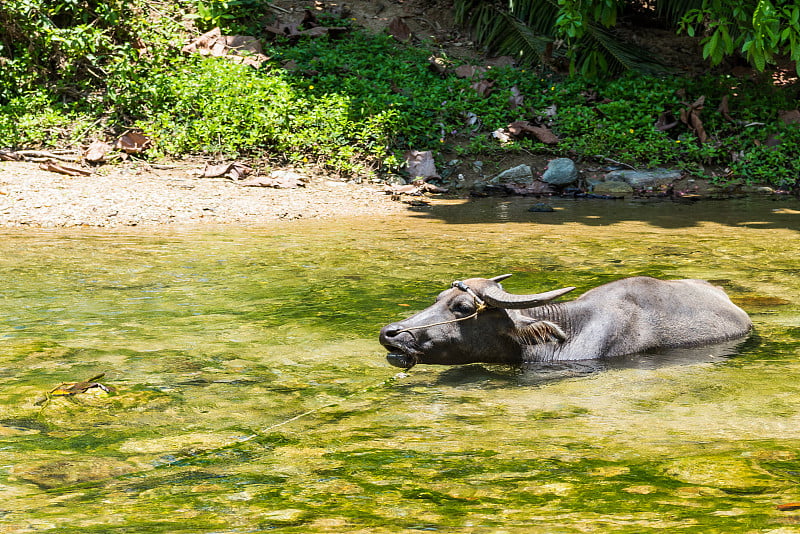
612	188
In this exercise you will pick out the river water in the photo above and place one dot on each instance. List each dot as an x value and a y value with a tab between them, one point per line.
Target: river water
248	392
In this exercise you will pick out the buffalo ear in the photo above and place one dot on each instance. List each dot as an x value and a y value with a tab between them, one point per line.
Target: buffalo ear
534	331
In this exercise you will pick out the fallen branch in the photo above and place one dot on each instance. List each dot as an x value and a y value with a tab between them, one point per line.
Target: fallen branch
63	169
278	8
5	155
631	167
42	155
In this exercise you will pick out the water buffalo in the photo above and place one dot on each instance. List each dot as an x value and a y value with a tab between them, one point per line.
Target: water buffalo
477	321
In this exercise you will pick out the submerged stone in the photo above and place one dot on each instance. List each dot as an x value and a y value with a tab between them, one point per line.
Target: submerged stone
58	473
729	474
612	188
541	207
189	443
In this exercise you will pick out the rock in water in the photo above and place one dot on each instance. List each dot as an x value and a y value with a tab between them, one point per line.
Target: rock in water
560	171
648	178
541	207
612	188
521	174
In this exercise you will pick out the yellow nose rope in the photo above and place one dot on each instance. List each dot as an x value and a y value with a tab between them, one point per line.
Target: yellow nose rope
480	305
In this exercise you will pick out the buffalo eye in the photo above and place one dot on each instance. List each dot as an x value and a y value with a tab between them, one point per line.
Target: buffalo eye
463	308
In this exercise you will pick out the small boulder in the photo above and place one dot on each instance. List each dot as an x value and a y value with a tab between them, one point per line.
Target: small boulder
560	171
761	190
521	174
420	164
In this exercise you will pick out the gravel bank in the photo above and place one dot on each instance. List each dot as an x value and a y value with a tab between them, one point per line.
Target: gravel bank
141	196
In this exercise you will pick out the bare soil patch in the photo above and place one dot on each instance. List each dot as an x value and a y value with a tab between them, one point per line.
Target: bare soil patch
140	195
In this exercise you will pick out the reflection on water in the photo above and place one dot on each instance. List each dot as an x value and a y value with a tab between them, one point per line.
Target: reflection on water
535	373
251	393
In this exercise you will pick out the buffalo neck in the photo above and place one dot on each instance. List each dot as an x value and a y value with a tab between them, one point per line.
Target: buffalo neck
563	314
560	313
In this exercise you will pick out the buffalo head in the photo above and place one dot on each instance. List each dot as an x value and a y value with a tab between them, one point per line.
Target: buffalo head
474	321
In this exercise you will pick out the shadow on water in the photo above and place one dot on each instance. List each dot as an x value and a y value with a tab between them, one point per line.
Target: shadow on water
782	212
541	373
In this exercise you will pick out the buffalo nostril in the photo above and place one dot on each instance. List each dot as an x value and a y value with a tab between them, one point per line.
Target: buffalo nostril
390	331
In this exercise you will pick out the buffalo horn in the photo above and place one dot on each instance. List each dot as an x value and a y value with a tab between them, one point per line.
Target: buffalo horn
499	298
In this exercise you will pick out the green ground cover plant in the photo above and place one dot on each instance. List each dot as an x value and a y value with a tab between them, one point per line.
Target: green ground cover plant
78	70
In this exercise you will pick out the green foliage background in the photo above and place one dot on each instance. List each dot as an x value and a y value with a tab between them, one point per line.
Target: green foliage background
73	70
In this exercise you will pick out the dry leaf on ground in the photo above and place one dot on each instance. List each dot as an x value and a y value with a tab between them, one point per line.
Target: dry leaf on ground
60	168
234	170
525	128
97	151
238	48
690	116
398	29
6	155
132	143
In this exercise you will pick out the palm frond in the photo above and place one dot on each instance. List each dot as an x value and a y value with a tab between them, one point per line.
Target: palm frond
502	32
518	40
527	27
619	55
538	15
674	10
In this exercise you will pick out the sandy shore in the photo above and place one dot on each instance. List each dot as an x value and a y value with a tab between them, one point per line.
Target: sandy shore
141	195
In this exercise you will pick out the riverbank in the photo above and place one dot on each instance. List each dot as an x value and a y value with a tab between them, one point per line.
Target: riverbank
149	195
142	195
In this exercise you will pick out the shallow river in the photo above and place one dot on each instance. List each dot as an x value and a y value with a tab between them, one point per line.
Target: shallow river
248	392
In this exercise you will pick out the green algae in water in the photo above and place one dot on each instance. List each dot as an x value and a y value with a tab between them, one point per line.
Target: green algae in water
214	337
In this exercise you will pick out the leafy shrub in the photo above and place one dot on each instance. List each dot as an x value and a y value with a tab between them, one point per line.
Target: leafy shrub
64	44
537	31
351	104
232	16
209	106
